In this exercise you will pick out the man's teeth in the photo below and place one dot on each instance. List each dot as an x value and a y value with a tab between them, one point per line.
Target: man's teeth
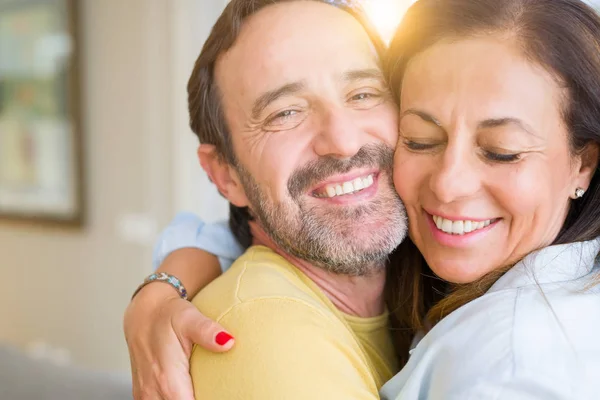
459	227
350	187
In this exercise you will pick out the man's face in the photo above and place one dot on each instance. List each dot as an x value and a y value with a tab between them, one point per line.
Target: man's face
314	127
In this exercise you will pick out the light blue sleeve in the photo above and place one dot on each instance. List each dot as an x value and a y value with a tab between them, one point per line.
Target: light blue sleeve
188	230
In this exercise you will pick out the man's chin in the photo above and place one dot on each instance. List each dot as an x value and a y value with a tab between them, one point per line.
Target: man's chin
361	230
365	265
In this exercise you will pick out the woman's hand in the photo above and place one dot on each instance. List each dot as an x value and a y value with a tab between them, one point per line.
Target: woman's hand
161	329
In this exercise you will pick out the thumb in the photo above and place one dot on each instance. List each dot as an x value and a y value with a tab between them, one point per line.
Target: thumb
204	332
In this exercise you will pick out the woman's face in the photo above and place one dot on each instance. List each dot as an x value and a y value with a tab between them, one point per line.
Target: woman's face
483	163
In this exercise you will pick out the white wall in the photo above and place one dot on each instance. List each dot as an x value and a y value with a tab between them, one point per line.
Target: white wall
191	24
69	288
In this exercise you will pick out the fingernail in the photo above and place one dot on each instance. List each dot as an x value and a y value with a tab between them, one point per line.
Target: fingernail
223	338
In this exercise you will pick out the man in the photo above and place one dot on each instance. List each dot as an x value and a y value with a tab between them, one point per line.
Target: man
297	130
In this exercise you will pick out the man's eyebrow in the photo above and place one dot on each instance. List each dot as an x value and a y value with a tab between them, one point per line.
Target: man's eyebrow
268	97
423	115
499	122
362	74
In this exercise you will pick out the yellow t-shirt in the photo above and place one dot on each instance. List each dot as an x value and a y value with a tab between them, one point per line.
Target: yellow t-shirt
291	341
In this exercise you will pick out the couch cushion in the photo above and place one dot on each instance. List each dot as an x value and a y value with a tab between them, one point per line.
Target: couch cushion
24	378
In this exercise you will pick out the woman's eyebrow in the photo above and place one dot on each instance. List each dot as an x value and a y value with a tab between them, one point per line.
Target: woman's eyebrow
423	115
507	121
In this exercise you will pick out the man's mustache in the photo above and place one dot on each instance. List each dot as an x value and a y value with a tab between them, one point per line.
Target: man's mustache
377	156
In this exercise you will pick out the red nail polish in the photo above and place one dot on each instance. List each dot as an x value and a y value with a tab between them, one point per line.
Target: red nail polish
223	338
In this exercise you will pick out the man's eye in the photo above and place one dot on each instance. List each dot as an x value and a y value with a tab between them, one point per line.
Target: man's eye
285	119
362	96
365	100
285	114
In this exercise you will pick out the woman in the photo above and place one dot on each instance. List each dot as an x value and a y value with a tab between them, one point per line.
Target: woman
497	166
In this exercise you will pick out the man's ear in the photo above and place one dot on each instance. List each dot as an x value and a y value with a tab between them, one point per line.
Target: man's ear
222	174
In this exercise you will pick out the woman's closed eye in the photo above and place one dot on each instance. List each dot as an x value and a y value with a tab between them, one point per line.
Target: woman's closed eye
495	156
505	158
417	146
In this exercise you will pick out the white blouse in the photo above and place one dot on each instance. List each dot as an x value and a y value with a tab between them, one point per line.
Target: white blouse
534	335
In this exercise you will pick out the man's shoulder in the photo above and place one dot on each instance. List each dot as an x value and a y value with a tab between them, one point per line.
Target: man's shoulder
265	279
290	342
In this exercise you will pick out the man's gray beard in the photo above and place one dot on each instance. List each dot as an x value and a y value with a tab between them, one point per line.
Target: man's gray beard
329	241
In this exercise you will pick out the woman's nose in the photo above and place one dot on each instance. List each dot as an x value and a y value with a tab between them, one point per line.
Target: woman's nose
456	176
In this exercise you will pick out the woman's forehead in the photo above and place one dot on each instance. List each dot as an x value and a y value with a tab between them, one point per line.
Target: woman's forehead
484	78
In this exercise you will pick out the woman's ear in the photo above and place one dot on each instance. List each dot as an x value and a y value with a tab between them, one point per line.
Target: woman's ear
222	174
588	165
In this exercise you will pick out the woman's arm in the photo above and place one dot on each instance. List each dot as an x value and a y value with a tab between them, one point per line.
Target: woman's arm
187	230
195	268
159	326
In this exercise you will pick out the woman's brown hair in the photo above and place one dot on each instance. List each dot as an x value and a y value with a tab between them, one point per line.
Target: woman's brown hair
563	36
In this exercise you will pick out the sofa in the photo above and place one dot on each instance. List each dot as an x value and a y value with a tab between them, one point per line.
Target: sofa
25	378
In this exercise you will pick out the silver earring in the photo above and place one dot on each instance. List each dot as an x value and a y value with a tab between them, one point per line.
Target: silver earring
579	192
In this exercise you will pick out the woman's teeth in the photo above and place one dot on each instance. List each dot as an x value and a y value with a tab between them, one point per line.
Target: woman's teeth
350	187
459	227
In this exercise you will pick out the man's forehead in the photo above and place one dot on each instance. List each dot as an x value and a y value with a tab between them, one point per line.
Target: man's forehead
287	41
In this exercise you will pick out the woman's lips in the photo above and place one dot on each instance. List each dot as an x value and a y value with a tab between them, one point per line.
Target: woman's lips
459	232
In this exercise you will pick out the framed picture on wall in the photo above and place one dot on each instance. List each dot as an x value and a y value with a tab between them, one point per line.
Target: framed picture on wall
40	129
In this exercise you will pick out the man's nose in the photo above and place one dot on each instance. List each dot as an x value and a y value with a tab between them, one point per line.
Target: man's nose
338	135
